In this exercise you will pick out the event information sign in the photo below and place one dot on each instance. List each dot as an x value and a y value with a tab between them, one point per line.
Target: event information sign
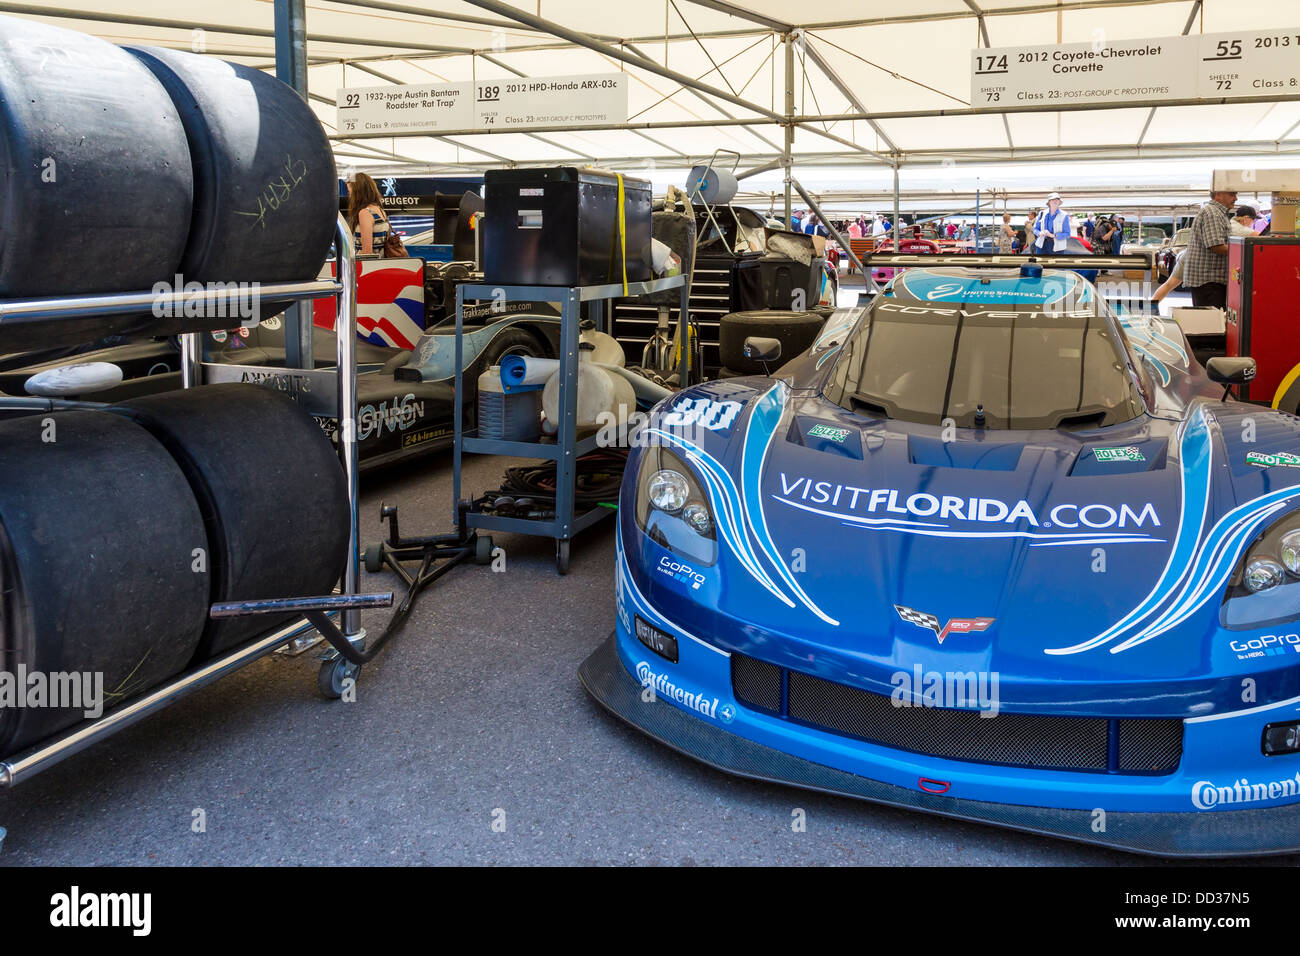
405	109
569	101
1250	64
1210	66
488	105
1072	73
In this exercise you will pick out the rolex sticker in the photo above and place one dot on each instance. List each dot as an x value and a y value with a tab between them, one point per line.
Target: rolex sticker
1128	453
828	431
1283	459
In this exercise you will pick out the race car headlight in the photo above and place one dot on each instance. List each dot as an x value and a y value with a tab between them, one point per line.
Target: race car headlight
673	509
1289	551
696	514
669	490
1265	587
1281	739
1262	574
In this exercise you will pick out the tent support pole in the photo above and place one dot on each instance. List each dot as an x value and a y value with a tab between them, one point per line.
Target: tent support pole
614	53
835	234
787	155
897	229
291	68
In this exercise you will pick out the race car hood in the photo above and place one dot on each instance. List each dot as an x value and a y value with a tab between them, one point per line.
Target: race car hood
1086	569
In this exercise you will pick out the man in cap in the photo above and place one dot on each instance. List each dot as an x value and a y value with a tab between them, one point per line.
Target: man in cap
1243	222
1206	270
1052	228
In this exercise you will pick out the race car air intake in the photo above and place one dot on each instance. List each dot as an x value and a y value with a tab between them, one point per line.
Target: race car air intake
1042	741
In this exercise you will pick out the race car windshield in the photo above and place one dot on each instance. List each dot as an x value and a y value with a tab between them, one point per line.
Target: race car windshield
1028	365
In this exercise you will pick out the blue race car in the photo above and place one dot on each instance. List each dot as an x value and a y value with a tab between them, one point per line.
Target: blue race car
989	550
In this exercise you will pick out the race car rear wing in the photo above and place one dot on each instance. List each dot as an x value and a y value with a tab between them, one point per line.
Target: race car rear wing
1134	260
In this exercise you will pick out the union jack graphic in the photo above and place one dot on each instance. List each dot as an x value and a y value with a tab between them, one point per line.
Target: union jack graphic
390	302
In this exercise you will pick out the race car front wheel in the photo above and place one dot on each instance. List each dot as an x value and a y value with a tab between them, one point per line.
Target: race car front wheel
511	342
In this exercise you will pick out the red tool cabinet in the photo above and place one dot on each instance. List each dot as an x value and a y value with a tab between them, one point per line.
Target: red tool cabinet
1263	317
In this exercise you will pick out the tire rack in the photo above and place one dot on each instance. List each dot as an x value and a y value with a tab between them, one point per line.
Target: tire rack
18	768
566	449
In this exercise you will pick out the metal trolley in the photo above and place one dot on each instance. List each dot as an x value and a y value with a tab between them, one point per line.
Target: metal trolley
349	640
566	449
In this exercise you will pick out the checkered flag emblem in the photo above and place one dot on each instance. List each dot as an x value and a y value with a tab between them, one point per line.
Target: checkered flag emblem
957	625
919	618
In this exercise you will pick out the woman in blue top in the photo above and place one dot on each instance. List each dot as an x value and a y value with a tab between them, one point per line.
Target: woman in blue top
1052	228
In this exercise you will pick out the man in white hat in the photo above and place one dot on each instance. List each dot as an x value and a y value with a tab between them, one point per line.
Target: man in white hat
1052	228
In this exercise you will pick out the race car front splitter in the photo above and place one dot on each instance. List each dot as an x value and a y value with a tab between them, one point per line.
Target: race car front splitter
1181	834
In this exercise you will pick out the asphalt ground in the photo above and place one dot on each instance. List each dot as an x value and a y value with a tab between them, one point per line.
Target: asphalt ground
471	718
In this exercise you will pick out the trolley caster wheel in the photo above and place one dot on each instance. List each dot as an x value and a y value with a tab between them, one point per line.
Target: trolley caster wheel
373	557
332	674
562	555
483	549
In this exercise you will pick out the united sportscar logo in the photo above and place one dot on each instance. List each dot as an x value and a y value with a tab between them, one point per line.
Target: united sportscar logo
956	625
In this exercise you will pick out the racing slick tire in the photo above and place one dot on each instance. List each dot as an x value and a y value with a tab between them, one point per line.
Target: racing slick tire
511	342
270	489
794	330
265	188
112	214
98	532
1287	397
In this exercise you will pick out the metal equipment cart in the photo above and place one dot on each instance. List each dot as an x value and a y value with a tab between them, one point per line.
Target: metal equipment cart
348	604
566	449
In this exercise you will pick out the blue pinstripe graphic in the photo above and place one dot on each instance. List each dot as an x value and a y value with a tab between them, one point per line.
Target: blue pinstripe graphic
1206	563
834	349
1152	337
727	504
1159	365
760	431
1220	554
1196	453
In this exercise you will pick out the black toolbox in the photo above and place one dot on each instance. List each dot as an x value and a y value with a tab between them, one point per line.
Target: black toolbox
776	282
559	227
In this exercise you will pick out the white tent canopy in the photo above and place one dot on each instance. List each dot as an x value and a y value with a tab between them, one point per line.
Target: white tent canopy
901	71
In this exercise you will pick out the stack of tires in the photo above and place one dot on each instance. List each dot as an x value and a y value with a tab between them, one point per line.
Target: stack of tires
120	527
121	169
